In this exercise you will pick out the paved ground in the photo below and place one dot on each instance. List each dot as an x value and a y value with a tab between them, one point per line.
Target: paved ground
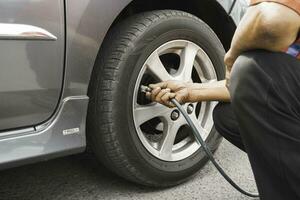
80	177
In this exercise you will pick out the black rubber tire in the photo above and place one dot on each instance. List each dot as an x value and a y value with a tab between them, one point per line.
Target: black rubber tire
110	125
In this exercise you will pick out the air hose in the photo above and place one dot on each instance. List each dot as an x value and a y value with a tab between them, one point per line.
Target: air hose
203	144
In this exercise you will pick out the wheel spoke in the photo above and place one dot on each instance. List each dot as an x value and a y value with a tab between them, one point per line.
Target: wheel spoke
213	80
202	130
162	145
155	66
187	59
145	113
209	80
202	110
167	144
210	122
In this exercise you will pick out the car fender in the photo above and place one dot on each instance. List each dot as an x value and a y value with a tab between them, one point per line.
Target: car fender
87	22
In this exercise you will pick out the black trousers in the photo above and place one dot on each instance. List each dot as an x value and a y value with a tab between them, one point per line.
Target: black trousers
263	119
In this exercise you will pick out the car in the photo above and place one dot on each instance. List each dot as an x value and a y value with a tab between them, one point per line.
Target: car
71	72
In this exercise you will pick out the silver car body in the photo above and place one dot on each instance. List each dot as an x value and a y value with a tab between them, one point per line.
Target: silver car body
47	53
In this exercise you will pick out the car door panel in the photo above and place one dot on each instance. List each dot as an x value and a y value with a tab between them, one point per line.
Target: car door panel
31	60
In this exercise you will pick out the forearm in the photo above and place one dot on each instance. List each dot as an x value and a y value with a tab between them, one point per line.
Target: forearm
215	91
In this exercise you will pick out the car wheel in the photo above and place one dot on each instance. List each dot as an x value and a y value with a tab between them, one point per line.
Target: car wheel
143	141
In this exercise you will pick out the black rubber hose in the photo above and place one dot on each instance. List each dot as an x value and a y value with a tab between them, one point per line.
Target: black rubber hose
199	139
207	150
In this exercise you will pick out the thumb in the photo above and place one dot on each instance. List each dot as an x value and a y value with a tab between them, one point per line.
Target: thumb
172	95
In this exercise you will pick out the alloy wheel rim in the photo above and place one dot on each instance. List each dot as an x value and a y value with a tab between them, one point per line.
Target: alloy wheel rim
156	129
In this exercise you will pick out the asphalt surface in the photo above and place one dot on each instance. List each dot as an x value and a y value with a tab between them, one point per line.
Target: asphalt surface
80	177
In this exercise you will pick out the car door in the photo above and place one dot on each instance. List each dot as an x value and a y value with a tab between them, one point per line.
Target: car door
31	60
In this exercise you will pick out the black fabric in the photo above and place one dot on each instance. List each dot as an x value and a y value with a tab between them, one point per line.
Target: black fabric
263	119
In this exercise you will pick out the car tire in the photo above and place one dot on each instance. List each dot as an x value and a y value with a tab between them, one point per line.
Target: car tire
111	126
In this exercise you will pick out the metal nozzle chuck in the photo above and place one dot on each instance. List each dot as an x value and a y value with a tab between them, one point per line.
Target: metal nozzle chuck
145	89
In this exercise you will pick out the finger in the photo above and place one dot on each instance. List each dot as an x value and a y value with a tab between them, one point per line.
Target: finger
155	92
168	102
171	105
180	98
162	93
173	95
162	85
167	97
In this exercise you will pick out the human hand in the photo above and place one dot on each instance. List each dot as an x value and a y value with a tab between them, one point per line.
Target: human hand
229	61
163	92
227	78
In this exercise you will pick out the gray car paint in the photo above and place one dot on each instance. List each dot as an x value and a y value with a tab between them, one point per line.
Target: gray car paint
87	24
85	33
17	148
31	71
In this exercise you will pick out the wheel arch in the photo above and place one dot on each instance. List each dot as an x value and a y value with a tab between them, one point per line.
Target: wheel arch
211	12
89	21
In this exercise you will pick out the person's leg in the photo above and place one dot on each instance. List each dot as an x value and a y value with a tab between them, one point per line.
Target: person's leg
226	124
265	97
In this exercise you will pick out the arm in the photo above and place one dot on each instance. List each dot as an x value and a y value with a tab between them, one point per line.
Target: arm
216	91
269	26
188	92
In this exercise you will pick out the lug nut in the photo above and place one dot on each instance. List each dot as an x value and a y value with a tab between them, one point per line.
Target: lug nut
190	108
175	115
